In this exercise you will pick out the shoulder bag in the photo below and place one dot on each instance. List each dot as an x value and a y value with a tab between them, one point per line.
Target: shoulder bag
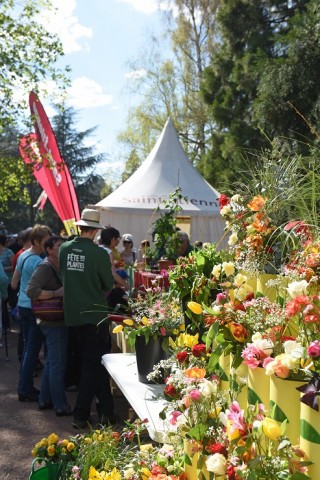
49	309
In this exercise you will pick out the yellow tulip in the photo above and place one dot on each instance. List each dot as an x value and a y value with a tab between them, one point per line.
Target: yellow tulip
117	329
271	428
94	474
215	412
145	321
187	340
145	473
195	307
128	321
232	435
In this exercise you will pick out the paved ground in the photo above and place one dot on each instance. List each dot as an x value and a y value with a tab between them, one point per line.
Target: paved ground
22	424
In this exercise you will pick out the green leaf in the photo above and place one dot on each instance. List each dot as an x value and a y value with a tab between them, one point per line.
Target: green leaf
198	431
278	413
253	398
308	432
187	459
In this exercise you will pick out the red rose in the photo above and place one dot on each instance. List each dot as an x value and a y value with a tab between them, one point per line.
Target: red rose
217	448
170	391
231	473
223	200
198	350
182	356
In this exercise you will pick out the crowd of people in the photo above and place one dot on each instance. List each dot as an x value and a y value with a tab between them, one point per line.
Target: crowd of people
87	273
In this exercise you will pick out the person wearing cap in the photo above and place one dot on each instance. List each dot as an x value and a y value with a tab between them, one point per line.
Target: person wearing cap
87	276
128	254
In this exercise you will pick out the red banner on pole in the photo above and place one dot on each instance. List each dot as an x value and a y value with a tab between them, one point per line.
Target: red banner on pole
50	167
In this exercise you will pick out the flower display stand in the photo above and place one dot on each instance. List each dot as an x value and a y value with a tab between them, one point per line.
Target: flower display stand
224	371
269	291
258	386
310	438
285	400
251	280
242	395
191	462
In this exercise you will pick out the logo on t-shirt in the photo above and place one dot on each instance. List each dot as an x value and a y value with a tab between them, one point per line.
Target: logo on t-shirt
76	262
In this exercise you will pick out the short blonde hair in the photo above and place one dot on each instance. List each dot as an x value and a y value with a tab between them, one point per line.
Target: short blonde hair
39	232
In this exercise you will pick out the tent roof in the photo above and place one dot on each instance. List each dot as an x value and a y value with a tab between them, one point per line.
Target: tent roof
166	168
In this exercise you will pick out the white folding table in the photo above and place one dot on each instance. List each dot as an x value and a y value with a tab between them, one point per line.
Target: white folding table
146	399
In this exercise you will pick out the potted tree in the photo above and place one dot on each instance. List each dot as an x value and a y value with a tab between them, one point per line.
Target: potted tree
166	240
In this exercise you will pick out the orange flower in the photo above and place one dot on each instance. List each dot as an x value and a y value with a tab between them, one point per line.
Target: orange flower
238	331
195	372
257	203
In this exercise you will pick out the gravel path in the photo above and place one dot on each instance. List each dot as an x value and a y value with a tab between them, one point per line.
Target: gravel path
22	424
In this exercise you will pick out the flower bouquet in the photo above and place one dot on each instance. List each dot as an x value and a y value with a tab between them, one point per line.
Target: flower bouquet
154	312
104	454
251	230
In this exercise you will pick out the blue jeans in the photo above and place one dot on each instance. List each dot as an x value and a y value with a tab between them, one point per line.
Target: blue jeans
32	341
52	381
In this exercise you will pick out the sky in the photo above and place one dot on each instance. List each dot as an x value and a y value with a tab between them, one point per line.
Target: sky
99	38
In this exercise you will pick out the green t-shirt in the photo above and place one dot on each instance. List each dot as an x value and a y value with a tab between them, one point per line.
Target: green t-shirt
87	276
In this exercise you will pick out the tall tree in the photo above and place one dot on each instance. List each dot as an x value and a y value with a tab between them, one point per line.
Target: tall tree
28	55
253	76
170	86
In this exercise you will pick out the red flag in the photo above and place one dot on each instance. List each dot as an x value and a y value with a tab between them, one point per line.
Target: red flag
30	153
55	176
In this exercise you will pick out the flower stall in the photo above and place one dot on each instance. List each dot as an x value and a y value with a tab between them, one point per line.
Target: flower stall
239	359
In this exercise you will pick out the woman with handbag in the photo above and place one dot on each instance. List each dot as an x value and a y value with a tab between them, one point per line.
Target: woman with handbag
46	291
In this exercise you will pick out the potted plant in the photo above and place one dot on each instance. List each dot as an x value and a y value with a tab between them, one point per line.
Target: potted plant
155	317
166	240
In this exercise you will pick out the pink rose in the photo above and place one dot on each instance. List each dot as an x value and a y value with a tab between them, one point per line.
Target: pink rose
174	417
221	298
195	395
314	349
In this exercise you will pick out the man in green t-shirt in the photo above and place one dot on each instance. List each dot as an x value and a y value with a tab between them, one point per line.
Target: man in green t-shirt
87	276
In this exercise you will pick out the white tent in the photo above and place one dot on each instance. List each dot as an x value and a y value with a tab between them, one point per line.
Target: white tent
130	208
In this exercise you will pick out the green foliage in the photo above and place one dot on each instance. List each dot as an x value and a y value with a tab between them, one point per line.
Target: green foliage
172	69
166	240
262	62
28	55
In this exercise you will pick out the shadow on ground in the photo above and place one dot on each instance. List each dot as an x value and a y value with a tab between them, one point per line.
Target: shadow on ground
22	424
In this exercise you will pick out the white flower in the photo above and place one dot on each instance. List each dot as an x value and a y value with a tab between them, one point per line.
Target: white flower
129	473
269	370
207	388
225	211
216	270
256	336
289	361
265	345
293	348
223	418
236	198
217	464
240	279
295	289
228	268
216	309
233	239
256	425
242	292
